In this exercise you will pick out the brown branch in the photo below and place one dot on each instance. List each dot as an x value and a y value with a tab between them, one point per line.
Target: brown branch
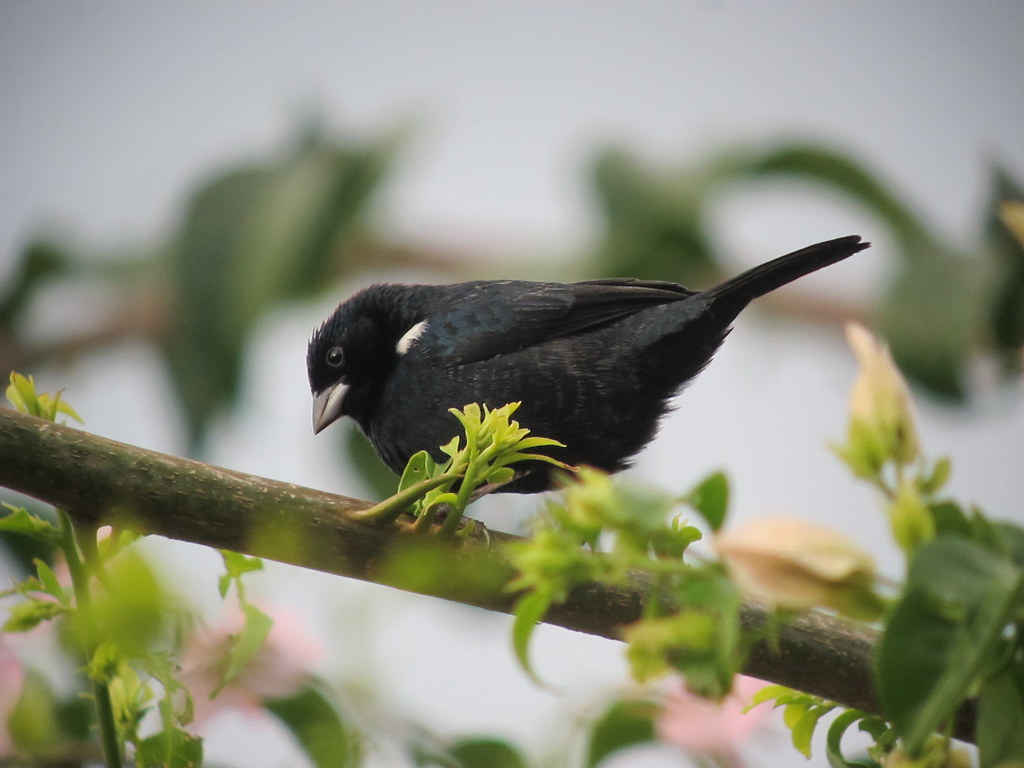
104	481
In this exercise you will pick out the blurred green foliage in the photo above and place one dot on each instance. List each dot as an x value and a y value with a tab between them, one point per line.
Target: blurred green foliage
943	307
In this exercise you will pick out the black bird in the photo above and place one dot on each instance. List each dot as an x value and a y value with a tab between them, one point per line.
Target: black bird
593	363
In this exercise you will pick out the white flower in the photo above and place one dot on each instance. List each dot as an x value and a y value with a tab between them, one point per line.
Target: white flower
792	563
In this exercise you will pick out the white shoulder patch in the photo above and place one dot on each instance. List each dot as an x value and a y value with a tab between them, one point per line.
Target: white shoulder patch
410	336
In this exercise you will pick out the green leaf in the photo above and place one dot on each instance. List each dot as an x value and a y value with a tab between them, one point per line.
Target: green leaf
22	521
768	693
938	477
950	520
32	723
847	175
803	729
236	565
419	467
528	612
1006	302
834	742
711	499
48	579
319	729
134	615
37	264
251	238
948	625
246	644
1001	719
106	662
29	614
486	753
170	749
931	316
625	724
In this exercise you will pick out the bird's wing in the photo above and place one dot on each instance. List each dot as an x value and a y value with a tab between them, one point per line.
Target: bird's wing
505	317
598	302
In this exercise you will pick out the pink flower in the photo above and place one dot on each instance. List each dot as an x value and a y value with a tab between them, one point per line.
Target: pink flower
710	728
12	678
281	668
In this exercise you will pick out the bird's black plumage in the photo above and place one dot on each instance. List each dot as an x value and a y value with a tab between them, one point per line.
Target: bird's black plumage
593	363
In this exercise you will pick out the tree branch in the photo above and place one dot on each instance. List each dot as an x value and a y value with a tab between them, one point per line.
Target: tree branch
104	481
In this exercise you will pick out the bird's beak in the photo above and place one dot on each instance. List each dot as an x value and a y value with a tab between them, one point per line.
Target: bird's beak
327	406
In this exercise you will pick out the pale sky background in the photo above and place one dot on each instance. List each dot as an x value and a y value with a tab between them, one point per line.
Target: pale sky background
111	113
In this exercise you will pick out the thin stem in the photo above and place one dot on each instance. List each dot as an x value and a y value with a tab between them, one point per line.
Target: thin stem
392	507
110	742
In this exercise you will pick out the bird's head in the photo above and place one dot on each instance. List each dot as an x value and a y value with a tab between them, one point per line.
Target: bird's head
351	354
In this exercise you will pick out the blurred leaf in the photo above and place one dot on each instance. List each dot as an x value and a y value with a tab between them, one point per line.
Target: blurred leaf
487	753
711	499
32	724
24	523
950	520
173	748
247	644
1007	247
936	312
654	224
39	262
136	614
834	743
1001	720
21	549
623	725
252	238
803	729
932	316
943	632
940	473
848	176
319	729
529	611
28	614
236	565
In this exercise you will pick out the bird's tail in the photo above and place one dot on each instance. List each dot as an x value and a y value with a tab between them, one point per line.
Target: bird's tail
730	297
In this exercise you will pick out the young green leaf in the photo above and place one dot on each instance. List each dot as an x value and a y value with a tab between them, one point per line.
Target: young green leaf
23	522
247	643
236	565
711	499
834	742
934	482
528	612
29	614
48	580
803	729
770	693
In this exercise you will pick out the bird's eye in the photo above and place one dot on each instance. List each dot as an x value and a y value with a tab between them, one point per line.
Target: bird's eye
335	357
